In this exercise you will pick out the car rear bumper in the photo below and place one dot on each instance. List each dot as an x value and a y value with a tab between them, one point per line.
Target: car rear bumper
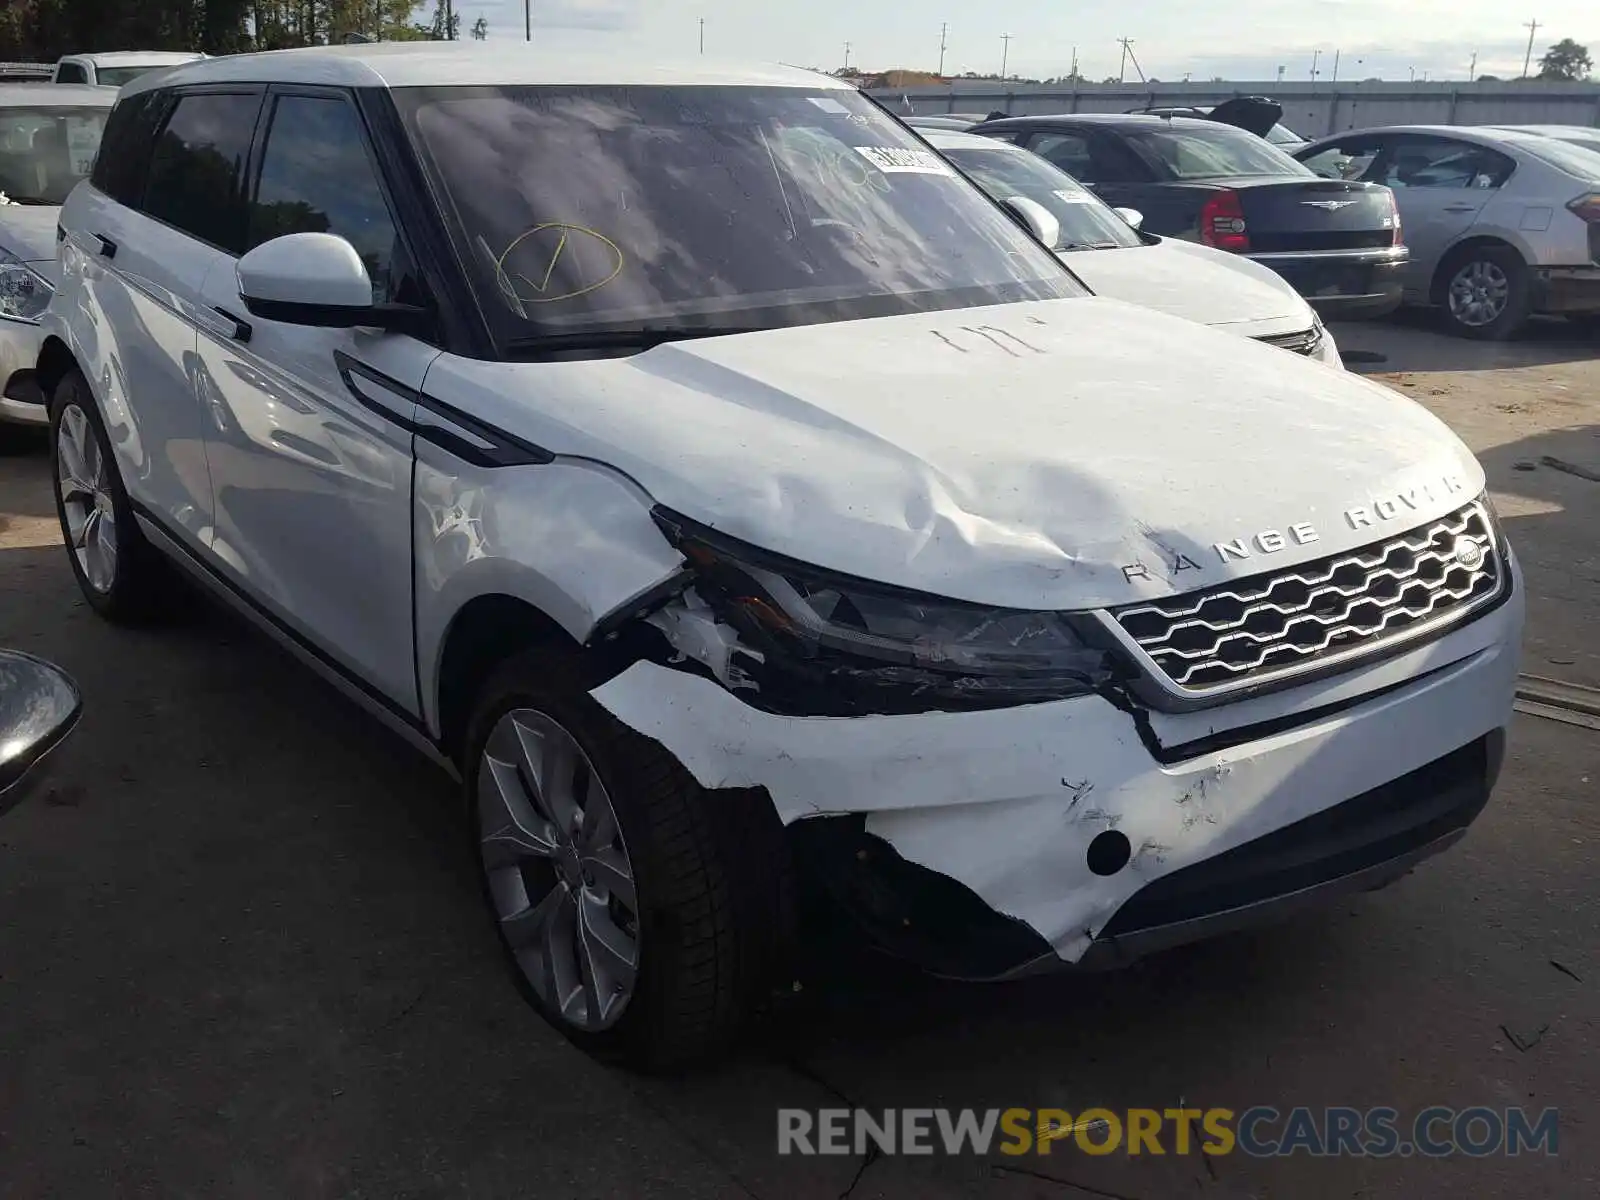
1345	285
1566	289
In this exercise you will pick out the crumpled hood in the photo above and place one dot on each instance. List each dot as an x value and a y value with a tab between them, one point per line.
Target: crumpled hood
1194	282
29	232
1060	454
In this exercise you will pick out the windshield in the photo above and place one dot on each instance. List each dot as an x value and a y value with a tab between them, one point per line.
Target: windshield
44	152
1208	152
1086	223
117	76
602	209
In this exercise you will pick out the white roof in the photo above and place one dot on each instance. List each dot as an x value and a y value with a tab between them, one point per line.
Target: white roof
953	139
416	64
137	58
55	95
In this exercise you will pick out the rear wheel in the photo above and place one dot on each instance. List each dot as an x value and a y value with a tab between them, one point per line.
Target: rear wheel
642	915
1485	292
118	572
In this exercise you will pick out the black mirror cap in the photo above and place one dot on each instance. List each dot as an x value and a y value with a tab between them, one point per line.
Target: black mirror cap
396	318
39	706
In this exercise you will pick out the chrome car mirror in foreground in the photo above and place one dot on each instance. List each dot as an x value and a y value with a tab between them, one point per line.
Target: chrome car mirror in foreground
1132	216
39	705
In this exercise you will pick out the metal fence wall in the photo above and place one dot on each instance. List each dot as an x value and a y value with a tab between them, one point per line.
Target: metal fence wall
1311	110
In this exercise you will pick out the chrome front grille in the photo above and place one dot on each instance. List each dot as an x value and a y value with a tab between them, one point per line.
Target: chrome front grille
1263	627
1305	342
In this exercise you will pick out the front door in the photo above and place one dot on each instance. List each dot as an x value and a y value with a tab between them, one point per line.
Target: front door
311	486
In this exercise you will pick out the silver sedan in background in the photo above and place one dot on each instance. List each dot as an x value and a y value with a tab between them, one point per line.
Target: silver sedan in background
49	137
1502	223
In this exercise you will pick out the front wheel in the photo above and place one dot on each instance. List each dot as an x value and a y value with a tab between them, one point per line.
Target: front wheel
641	913
1487	293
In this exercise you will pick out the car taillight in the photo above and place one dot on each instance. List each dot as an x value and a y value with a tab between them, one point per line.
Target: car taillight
1394	217
1587	207
1222	223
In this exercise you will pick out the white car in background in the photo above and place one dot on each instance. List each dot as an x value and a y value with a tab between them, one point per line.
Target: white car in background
1105	249
118	67
48	140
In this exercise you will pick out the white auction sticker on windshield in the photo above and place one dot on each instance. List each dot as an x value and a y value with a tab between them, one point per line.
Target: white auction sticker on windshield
83	139
889	159
1071	197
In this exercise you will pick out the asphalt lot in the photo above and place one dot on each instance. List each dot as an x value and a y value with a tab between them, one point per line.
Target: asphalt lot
242	952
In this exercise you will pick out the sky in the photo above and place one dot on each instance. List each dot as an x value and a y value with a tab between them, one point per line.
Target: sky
1244	39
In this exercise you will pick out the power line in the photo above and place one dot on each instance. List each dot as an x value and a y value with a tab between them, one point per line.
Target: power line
1532	28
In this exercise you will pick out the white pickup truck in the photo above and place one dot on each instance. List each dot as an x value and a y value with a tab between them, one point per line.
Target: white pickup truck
116	68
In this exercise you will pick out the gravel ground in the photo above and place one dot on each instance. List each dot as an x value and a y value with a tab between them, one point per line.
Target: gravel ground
242	953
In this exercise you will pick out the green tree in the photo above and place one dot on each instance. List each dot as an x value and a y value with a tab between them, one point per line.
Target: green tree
1566	60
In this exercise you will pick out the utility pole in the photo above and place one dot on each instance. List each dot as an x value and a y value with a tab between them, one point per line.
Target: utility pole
1527	59
1281	70
1005	54
1122	67
1315	55
527	19
1074	64
944	31
1336	54
1472	70
702	35
1413	71
847	56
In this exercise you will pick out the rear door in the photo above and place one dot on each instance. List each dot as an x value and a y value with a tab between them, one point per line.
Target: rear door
165	206
1440	185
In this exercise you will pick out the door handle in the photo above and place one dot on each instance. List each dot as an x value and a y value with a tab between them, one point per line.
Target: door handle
108	248
240	331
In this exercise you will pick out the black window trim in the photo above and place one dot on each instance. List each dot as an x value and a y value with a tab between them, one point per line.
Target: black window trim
170	98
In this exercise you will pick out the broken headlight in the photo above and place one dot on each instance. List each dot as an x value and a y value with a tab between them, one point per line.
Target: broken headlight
829	644
24	293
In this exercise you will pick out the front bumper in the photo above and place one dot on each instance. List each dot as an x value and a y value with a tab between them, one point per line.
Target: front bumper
1002	806
21	401
1566	289
1344	285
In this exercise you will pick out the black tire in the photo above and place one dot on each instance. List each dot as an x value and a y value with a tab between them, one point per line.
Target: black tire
1498	262
715	887
139	590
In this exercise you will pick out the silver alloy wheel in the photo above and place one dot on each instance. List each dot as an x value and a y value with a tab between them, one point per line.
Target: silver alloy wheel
1479	292
559	873
83	481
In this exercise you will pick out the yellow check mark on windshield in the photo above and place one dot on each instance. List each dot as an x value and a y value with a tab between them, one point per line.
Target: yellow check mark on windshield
544	284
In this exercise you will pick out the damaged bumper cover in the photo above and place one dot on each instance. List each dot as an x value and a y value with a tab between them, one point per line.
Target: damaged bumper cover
1085	831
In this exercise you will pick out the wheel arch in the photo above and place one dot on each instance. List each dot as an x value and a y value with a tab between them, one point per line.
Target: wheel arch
55	360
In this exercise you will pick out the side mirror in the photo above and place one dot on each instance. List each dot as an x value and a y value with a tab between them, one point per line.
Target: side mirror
317	279
1132	216
1036	219
39	705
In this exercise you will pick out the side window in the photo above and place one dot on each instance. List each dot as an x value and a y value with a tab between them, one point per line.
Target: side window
1443	163
195	180
317	177
1344	160
71	73
1069	151
125	147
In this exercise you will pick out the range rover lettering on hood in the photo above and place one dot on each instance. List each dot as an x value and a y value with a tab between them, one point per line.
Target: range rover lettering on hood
1414	501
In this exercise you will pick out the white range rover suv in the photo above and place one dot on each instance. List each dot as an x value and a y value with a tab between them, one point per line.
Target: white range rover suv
743	507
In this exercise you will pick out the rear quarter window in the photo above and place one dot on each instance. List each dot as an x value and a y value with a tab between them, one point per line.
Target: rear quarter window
124	156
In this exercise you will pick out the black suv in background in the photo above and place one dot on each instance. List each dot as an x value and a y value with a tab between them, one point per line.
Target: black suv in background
1338	243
